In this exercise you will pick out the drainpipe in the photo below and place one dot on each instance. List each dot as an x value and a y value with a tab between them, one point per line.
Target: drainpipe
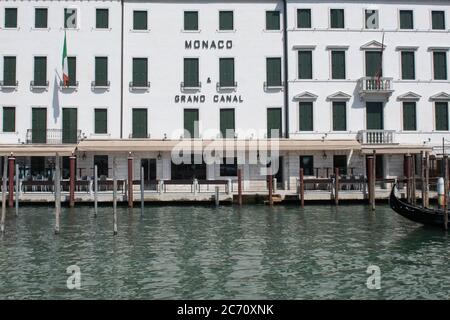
121	70
286	75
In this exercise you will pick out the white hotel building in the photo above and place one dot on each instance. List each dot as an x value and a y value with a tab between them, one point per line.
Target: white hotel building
339	79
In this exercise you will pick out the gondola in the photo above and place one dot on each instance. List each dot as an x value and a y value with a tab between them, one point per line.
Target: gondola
425	216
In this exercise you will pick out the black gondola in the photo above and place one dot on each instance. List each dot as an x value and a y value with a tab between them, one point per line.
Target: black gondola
429	217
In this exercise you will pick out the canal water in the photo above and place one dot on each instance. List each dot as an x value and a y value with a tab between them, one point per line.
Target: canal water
192	252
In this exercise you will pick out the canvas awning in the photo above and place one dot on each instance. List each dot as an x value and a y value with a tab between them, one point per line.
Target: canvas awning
24	150
396	149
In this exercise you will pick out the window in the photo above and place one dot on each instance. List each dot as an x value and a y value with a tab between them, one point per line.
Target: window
441	116
40	71
102	18
438	20
69	125
274	128
226	72
10	17
101	71
374	116
188	171
102	165
372	19
40	18
227	125
191	123
9	119
406	19
306	116
140	20
440	65
337	19
272	20
409	116
72	64
340	162
101	121
408	65
191	20
9	71
307	164
39	125
226	22
305	64
139	123
338	64
303	18
191	74
273	70
228	167
339	116
70	18
373	64
140	72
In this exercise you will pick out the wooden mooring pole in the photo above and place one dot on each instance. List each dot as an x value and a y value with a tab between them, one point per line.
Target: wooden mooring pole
413	181
72	180
270	188
17	189
114	197
302	187
427	180
57	193
239	187
11	162
422	178
216	196
130	181
446	187
142	190
5	168
95	191
371	180
336	186
408	178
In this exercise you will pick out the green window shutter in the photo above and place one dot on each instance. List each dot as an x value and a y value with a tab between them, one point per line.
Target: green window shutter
337	19
226	72
9	71
373	63
306	116
40	71
9	119
40	18
338	64
307	164
304	18
272	20
191	123
72	64
39	125
408	65
438	20
374	116
227	123
70	18
440	65
102	19
140	72
101	71
101	121
69	125
273	69
10	17
305	64
140	129
140	20
409	116
274	123
441	116
226	20
191	77
339	116
190	20
406	19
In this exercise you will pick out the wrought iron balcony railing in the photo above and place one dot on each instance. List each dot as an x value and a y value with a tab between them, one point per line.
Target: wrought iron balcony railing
70	85
53	136
39	84
139	85
226	86
191	86
9	84
100	84
273	86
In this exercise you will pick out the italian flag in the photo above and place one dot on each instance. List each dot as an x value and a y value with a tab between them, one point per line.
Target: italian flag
65	65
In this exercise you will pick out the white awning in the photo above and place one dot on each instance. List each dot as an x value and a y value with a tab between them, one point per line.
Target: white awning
24	150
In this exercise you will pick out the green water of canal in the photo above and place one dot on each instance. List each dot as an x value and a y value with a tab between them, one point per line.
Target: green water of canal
192	252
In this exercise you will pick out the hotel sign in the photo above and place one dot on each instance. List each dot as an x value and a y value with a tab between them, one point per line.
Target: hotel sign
207	44
218	98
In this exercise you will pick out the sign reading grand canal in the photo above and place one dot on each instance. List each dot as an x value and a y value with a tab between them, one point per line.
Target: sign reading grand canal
208	44
218	98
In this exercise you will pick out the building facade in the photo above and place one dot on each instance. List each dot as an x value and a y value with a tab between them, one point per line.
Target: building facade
333	80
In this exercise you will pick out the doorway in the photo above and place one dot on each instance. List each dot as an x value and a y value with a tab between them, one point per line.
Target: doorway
149	166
